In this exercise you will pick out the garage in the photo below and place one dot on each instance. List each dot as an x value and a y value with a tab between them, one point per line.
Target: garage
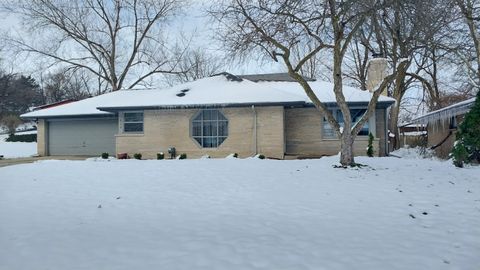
86	137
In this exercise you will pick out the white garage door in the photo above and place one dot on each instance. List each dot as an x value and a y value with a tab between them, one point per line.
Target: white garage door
82	137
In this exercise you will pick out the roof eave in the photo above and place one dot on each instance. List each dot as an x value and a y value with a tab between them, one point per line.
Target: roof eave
196	106
58	116
380	105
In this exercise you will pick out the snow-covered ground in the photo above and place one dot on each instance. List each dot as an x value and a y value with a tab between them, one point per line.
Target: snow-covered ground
239	214
414	153
17	149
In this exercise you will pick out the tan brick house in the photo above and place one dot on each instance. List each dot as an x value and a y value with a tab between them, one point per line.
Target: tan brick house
253	114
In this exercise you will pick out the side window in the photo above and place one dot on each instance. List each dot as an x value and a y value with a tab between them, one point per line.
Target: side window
453	122
133	122
356	114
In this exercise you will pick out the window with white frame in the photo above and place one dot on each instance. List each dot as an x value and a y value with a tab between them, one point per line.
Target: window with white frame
133	122
356	115
209	128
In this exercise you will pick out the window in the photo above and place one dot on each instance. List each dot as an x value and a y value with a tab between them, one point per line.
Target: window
133	122
453	123
210	128
356	115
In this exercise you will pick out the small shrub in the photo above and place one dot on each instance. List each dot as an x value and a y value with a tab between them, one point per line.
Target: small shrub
261	156
160	156
105	155
183	156
235	155
459	154
122	156
137	156
370	145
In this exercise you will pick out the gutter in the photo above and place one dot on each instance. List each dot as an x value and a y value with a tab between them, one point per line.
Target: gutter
255	137
387	138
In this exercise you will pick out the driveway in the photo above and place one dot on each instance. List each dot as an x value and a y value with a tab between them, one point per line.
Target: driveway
16	161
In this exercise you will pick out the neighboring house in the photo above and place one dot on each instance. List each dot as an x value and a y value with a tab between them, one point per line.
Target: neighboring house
267	114
54	104
412	135
442	125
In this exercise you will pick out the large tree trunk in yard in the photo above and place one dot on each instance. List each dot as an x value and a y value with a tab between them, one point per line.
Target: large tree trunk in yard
394	113
346	151
398	92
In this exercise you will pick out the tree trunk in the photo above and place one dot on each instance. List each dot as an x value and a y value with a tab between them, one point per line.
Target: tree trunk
394	113
346	152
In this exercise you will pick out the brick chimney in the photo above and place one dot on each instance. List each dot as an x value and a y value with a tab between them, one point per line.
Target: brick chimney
377	70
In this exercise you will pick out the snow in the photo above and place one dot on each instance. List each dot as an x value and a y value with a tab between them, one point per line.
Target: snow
17	149
414	153
239	214
324	91
414	133
207	92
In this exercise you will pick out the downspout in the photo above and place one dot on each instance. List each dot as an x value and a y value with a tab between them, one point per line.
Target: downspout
254	130
387	138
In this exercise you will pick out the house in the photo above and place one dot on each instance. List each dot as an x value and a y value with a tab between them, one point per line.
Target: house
442	125
268	114
412	135
53	104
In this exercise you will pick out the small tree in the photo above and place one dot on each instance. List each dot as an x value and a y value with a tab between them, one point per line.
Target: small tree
370	145
11	122
467	146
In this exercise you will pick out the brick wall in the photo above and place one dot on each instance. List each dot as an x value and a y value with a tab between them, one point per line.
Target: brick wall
165	128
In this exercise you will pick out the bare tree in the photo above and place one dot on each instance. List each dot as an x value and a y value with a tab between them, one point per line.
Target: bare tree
67	84
122	42
278	27
470	11
197	63
358	56
402	31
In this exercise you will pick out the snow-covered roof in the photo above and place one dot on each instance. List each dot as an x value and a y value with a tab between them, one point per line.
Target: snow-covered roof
222	90
445	113
324	92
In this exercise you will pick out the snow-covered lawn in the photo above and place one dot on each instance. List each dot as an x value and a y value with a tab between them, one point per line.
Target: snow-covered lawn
239	214
17	149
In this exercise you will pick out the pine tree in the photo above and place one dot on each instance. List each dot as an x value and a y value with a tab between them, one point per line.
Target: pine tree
467	146
370	145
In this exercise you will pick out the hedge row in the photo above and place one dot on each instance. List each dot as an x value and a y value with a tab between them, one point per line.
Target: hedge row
22	138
